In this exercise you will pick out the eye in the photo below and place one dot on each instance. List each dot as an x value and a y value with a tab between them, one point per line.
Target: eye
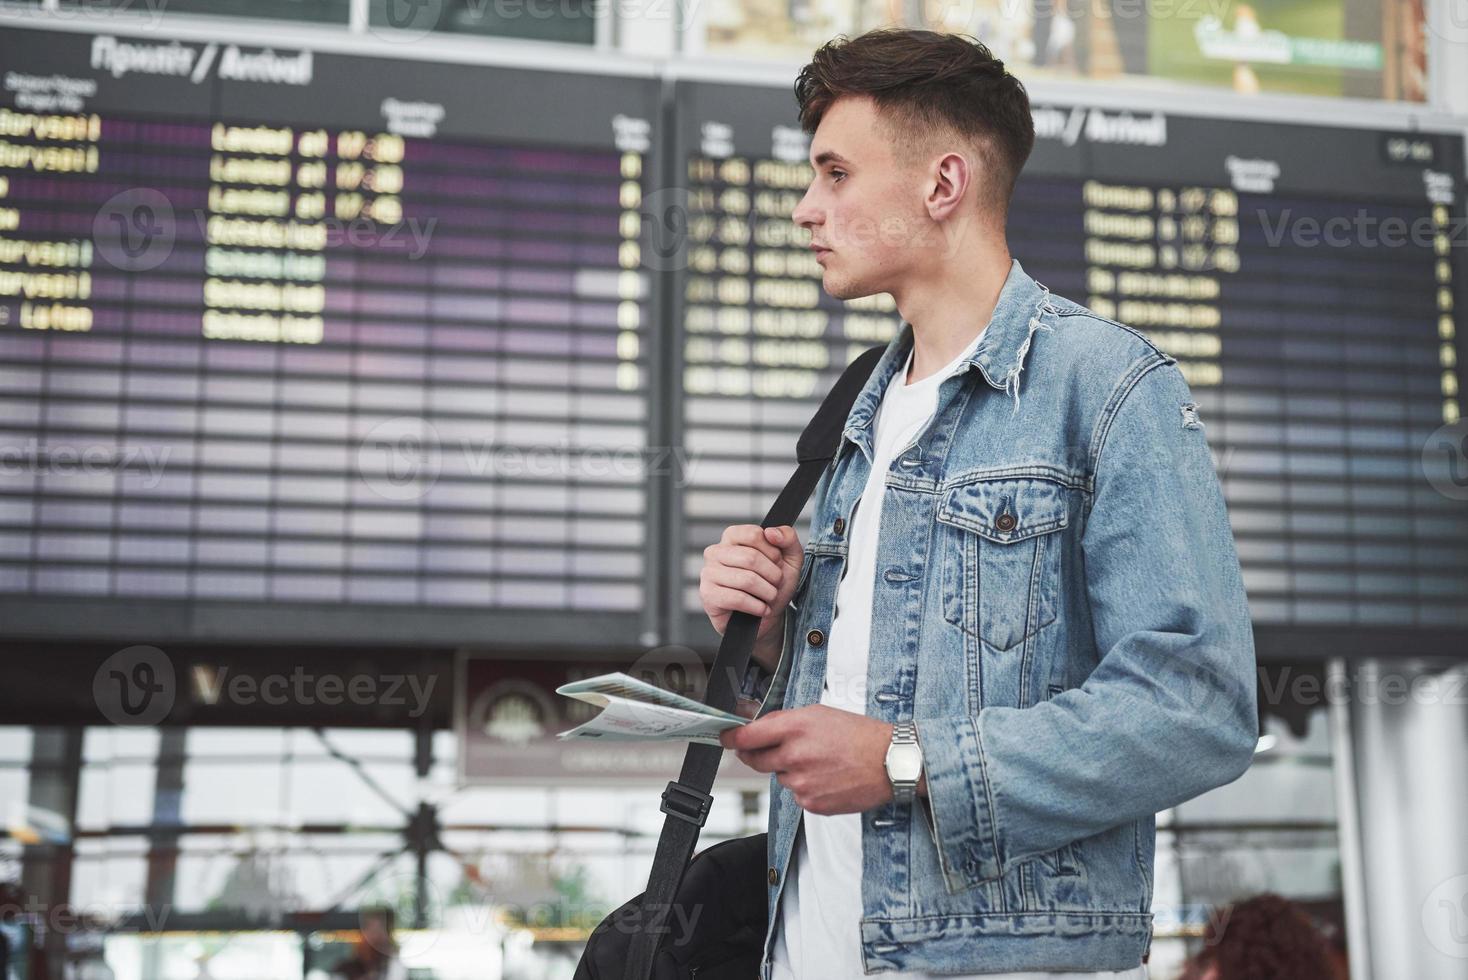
836	175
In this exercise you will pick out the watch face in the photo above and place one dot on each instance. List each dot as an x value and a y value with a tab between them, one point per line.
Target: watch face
904	762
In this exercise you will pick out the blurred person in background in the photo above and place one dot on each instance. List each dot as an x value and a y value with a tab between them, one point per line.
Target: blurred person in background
376	954
1267	937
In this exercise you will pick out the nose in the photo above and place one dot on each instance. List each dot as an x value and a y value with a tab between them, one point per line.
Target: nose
806	214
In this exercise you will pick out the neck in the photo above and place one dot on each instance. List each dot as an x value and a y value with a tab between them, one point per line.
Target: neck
953	306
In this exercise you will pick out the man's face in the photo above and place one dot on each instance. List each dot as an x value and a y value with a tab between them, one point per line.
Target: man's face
865	204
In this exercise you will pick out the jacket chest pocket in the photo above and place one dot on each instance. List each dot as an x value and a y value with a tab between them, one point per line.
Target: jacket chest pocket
1001	563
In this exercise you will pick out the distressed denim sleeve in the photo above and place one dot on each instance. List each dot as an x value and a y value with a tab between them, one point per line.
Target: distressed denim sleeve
1170	710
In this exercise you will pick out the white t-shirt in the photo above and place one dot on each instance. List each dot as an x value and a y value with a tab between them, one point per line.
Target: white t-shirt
818	936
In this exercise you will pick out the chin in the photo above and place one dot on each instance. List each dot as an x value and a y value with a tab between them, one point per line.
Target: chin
840	288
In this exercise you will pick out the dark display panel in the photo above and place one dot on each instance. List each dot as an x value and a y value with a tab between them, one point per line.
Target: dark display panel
317	333
308	347
1306	279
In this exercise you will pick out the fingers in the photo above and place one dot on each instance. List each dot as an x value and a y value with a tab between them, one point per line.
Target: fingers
764	760
718	597
785	538
751	569
739	566
752	536
743	572
768	732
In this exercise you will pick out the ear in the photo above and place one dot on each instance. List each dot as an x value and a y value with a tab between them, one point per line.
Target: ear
950	179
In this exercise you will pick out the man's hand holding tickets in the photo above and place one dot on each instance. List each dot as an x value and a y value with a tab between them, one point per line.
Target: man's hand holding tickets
832	760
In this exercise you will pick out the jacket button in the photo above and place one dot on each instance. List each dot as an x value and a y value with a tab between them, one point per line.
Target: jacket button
774	877
1005	522
815	638
839	526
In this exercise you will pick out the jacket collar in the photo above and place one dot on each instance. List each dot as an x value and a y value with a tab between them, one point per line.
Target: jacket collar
999	356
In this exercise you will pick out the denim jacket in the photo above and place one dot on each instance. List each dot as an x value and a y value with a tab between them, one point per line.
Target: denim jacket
1059	608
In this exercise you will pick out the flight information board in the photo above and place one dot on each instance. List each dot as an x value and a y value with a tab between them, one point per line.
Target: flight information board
359	342
1307	279
302	346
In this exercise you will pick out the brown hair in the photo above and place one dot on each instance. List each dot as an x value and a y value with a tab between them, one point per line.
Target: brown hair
925	83
1265	938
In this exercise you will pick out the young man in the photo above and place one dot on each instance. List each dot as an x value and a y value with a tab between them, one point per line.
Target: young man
1019	627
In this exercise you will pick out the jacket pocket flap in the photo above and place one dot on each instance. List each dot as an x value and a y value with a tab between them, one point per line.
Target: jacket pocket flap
1007	510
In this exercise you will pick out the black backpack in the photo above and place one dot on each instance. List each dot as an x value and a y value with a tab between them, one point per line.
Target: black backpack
716	930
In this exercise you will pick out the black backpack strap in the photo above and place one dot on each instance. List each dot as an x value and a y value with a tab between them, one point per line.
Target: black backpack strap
687	800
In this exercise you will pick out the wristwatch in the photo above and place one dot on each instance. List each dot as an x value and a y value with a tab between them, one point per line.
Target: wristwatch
904	761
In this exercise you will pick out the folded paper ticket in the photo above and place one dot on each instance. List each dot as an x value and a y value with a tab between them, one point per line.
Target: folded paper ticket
636	711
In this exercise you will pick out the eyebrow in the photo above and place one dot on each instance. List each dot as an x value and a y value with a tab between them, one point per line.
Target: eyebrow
830	156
